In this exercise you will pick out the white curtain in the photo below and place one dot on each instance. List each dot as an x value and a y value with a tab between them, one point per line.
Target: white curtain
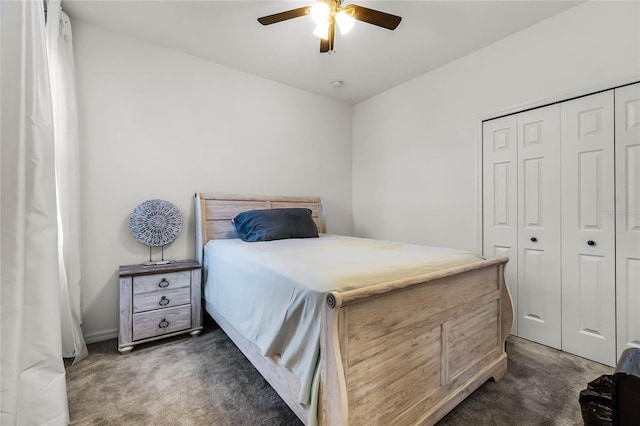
34	304
65	119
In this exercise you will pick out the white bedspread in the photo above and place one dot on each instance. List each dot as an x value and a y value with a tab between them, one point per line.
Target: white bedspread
272	292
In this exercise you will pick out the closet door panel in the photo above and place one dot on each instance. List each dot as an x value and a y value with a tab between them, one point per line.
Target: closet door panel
627	104
588	228
499	153
539	273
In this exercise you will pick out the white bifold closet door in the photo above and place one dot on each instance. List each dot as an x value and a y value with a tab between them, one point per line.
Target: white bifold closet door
627	100
588	228
500	193
539	264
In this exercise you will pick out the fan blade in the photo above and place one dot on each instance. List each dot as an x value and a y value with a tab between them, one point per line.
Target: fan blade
375	17
324	45
327	45
332	35
283	16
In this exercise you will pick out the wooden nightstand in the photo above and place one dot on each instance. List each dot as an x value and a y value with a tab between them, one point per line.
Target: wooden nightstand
158	301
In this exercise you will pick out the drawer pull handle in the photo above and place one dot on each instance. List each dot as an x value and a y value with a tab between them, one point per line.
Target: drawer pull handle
163	283
591	243
534	240
164	323
163	301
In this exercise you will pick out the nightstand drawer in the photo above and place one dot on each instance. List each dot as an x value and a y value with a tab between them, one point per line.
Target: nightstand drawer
161	282
161	299
161	321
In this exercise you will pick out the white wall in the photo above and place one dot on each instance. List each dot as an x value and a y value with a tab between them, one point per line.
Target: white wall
416	147
155	123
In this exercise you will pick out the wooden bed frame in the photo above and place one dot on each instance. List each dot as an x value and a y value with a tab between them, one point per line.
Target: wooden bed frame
403	352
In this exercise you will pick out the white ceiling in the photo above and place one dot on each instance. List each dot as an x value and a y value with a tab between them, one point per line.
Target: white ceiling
368	60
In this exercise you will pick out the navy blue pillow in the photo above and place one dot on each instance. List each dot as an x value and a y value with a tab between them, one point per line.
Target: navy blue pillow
275	224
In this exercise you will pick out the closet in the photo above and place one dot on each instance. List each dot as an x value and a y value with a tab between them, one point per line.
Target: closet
561	199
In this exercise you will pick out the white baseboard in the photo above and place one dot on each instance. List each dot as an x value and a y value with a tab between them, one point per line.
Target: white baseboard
100	336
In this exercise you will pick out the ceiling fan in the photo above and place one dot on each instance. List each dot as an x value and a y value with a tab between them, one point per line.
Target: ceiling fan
327	13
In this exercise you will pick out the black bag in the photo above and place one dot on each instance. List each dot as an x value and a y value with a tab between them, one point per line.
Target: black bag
595	402
625	389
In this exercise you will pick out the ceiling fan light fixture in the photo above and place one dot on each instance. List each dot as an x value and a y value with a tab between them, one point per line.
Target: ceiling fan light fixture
328	13
320	12
345	21
322	30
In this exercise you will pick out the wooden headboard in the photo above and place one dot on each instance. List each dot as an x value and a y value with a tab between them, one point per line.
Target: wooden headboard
214	213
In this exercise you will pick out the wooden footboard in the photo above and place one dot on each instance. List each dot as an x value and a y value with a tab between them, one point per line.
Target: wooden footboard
407	352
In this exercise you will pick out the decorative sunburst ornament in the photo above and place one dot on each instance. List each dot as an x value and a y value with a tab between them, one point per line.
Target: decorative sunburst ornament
156	223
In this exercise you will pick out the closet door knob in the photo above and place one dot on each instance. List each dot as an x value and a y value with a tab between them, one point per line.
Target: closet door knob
534	240
591	243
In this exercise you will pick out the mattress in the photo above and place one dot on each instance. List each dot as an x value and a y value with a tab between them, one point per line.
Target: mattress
272	292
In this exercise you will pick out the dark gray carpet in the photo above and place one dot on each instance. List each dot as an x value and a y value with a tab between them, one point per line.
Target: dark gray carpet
207	381
542	387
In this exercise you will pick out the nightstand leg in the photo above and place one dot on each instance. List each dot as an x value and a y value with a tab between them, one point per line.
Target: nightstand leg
125	349
194	333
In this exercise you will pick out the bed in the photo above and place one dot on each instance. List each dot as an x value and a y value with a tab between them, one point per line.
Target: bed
397	351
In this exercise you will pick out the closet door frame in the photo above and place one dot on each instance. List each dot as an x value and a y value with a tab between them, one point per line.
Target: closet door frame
515	109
